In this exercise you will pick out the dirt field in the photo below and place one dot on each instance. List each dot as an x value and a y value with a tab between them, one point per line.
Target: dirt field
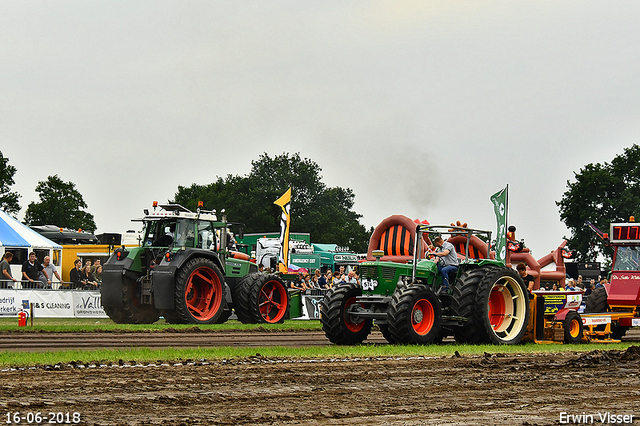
485	390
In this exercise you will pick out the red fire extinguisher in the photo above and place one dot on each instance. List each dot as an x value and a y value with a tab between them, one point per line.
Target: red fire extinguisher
22	319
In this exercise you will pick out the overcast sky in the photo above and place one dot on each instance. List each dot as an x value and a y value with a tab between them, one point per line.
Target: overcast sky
423	108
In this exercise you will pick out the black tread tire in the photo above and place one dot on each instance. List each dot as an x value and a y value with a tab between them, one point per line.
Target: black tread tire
572	318
247	298
597	301
384	329
182	276
170	316
333	318
463	304
401	310
511	333
132	312
618	331
224	316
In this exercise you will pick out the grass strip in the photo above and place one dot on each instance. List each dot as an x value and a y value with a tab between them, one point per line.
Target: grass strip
80	325
216	354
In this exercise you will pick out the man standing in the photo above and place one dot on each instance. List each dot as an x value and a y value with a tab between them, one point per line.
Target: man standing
447	262
74	275
31	270
5	270
529	281
51	270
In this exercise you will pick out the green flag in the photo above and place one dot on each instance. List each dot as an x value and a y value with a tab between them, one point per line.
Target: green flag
499	200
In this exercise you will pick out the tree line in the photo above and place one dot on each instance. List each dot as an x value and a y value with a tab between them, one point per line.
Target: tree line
601	193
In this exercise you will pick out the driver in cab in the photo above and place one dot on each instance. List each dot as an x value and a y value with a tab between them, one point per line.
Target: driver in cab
447	261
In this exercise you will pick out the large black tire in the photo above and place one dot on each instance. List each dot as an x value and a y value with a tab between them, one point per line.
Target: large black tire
502	306
597	301
336	322
618	331
170	316
132	312
384	329
224	316
573	328
415	315
199	292
463	304
261	298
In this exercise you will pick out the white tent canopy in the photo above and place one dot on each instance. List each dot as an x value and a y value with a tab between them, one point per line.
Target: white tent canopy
15	234
20	240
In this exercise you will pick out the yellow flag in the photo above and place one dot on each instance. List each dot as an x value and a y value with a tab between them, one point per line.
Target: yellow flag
285	221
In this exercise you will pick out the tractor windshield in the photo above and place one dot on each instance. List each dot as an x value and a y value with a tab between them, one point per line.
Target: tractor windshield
627	259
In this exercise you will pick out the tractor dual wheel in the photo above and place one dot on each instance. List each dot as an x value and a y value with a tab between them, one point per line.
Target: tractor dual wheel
496	304
132	311
261	298
199	292
415	315
337	324
573	328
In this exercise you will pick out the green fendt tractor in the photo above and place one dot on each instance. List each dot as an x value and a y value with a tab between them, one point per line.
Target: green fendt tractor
400	291
186	271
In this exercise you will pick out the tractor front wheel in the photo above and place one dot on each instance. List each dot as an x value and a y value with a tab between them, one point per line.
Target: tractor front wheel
337	324
415	315
132	311
199	292
573	328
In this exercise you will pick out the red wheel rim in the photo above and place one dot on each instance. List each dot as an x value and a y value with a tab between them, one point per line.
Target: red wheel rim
497	308
422	317
272	301
203	294
352	326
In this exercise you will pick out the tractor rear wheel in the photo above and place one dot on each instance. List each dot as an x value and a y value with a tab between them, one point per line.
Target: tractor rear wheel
133	311
415	315
337	323
199	292
573	328
597	301
463	304
261	298
502	306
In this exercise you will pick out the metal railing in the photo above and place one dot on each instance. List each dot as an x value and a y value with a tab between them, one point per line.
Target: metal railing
39	285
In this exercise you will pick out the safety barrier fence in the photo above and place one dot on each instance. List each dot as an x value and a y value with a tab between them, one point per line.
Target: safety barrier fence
52	304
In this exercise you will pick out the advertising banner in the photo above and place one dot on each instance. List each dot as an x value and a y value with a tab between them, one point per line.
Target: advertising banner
88	304
52	304
9	303
48	304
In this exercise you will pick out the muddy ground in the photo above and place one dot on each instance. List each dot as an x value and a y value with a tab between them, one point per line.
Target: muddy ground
481	390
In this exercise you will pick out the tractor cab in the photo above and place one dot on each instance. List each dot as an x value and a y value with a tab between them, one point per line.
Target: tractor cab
623	290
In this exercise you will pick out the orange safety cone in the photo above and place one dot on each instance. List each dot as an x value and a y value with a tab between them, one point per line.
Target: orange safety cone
22	319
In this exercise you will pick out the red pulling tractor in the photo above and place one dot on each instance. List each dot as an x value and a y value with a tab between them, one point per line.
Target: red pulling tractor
610	310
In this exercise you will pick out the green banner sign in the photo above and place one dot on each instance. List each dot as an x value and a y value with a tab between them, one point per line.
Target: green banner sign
499	200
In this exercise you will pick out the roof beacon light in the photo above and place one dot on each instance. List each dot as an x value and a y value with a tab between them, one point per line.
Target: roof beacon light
632	219
200	204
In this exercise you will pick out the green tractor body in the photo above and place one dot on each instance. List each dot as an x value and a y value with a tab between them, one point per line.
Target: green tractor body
187	271
486	301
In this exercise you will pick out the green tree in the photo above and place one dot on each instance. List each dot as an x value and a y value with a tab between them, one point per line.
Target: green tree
325	213
8	199
601	194
60	204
